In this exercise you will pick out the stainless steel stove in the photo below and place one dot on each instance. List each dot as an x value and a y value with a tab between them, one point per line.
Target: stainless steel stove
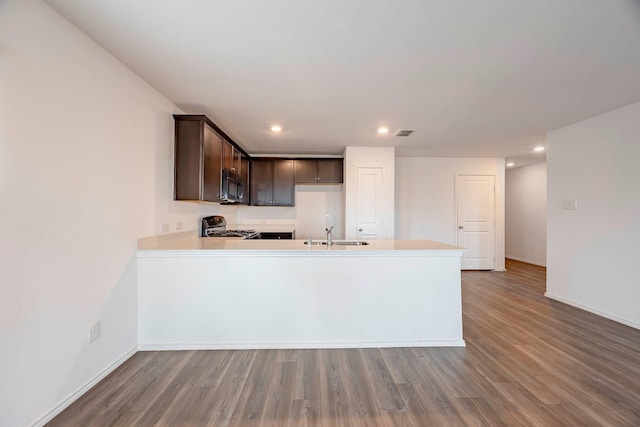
216	226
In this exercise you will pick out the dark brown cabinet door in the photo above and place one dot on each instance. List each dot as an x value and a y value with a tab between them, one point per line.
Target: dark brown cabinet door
272	182
237	161
270	235
261	183
283	183
188	161
227	155
244	179
211	168
306	171
329	171
318	171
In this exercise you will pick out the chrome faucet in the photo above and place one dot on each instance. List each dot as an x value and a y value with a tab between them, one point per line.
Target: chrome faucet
329	236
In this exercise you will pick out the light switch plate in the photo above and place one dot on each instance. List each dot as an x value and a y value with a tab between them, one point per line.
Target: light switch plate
569	205
94	331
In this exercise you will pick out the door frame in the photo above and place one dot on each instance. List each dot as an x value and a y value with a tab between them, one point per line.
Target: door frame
495	210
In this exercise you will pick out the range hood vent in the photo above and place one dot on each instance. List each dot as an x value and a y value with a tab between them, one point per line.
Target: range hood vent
404	132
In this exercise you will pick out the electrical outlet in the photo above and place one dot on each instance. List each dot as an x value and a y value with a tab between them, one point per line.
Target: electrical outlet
165	228
94	331
178	226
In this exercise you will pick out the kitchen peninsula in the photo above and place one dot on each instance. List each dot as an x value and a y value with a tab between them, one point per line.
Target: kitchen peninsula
208	293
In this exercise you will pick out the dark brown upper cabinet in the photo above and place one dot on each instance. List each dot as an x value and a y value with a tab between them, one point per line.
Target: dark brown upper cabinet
272	182
202	151
244	178
227	156
318	171
231	157
235	160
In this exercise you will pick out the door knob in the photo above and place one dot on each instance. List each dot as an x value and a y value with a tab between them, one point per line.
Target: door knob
359	229
460	227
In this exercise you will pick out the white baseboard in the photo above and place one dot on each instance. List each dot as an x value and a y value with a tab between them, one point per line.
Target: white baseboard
73	396
592	310
528	261
294	345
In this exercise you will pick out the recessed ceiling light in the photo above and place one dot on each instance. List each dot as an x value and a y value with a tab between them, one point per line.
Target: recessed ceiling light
383	130
276	128
539	149
510	164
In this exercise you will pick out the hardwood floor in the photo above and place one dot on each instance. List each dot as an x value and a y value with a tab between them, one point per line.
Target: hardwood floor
528	361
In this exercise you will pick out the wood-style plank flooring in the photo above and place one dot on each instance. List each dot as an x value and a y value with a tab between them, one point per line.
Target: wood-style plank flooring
528	361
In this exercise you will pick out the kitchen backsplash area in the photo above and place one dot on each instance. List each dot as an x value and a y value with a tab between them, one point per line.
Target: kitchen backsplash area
317	207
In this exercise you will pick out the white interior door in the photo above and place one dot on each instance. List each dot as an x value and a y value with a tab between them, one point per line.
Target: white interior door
370	203
476	221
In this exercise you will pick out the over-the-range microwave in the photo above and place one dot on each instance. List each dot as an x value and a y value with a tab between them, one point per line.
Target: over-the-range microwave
231	190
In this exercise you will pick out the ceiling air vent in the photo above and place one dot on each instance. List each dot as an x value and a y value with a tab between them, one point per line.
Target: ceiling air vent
404	132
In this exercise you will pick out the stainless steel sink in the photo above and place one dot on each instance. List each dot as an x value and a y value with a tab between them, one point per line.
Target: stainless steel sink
350	242
337	242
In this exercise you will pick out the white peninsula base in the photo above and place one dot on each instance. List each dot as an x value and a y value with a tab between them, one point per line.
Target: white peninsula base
277	294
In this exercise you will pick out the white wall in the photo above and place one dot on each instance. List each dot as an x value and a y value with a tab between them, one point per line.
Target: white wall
425	197
85	169
592	252
313	203
526	214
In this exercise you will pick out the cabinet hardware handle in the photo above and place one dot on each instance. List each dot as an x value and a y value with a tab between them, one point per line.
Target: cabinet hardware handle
460	227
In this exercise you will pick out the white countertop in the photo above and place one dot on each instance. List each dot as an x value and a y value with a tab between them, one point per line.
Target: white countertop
216	245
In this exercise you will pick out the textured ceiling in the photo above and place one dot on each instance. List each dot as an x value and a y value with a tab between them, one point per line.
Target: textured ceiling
473	78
